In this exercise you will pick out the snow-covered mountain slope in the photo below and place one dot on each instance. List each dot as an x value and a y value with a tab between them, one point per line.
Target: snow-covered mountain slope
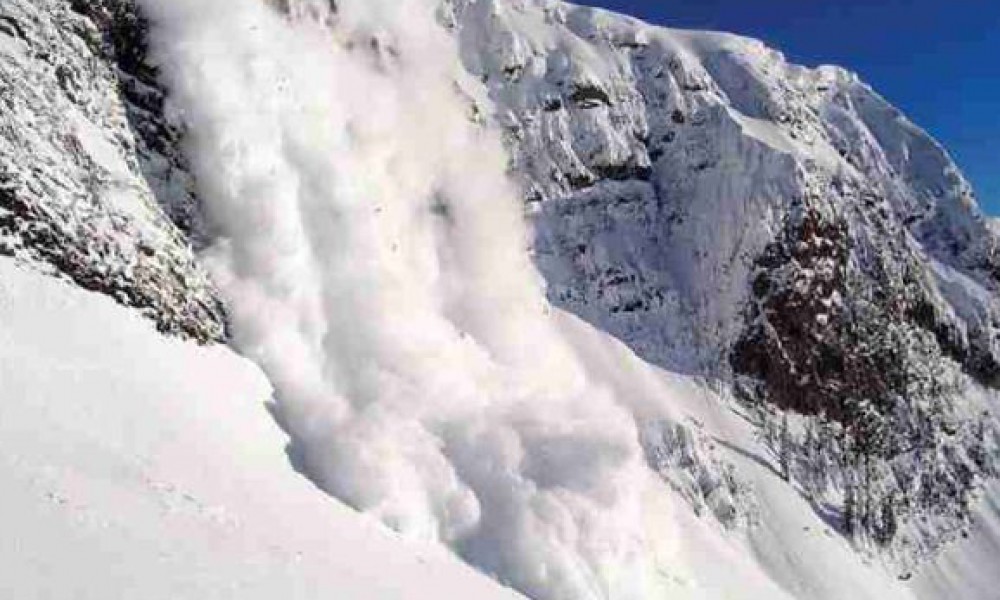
166	478
136	466
805	271
727	213
697	148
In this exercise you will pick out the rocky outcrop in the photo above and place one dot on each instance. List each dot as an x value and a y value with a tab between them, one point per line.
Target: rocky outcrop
92	184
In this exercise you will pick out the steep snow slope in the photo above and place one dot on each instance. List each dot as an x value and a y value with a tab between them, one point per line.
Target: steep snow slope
165	478
687	423
134	466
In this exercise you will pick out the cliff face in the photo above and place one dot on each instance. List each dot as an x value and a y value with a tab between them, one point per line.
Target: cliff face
92	182
782	228
781	231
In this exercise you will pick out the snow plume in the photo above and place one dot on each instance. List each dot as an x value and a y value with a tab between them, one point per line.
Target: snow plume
374	260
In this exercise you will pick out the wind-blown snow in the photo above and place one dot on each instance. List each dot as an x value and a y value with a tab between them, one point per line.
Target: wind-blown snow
374	260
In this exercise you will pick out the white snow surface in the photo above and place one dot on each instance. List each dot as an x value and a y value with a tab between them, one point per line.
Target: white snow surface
136	466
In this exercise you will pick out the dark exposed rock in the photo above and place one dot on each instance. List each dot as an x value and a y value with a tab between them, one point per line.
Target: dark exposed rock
795	344
623	172
589	96
867	352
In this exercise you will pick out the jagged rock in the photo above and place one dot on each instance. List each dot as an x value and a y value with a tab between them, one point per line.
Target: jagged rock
92	184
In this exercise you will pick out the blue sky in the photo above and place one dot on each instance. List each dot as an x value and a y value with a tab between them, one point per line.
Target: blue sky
937	60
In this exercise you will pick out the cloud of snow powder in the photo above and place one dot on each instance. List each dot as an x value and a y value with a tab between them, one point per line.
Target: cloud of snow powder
373	257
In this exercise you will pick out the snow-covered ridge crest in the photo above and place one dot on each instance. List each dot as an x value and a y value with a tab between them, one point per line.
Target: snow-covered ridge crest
374	261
